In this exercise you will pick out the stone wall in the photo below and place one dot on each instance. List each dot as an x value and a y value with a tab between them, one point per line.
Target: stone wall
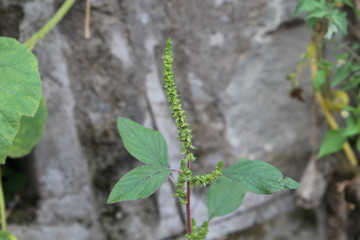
231	62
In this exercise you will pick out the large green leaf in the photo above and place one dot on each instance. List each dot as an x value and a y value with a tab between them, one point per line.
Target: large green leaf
30	132
333	142
146	145
224	196
5	235
20	90
139	183
259	177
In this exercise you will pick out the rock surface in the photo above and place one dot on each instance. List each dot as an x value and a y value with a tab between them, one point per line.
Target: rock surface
231	62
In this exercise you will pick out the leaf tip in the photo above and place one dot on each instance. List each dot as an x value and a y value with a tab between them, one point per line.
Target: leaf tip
290	183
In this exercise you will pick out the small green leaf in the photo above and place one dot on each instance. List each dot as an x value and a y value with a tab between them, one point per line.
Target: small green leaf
320	79
146	145
139	183
258	177
224	196
290	183
333	142
341	74
30	132
317	13
306	6
5	235
339	19
20	90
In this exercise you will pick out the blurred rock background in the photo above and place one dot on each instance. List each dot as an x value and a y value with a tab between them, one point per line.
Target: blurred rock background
231	62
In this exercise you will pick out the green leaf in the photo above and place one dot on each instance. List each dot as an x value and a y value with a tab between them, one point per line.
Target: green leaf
333	142
341	74
139	183
224	196
20	90
306	6
146	145
320	78
259	177
290	183
339	19
30	132
317	13
5	235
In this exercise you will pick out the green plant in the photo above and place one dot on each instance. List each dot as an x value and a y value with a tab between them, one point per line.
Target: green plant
334	81
20	97
23	109
227	187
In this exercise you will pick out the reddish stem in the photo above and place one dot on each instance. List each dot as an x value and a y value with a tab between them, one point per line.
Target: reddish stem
175	170
188	211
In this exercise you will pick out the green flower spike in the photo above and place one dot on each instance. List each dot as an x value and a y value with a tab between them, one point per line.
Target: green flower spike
178	114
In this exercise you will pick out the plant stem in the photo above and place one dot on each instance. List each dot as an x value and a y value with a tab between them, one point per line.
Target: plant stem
188	206
31	42
313	50
175	170
87	19
2	206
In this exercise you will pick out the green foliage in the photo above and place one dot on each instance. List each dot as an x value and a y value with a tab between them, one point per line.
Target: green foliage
224	196
320	78
337	81
317	10
20	92
333	142
146	145
208	178
5	235
343	78
139	183
259	177
176	107
341	74
198	234
180	184
30	132
227	187
324	70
